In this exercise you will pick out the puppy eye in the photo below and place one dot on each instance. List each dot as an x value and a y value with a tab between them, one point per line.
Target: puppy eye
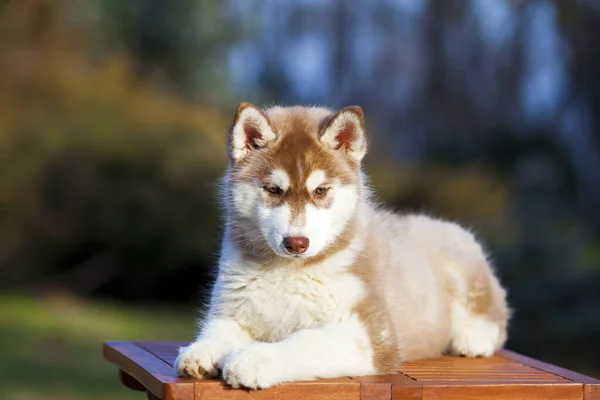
321	191
273	190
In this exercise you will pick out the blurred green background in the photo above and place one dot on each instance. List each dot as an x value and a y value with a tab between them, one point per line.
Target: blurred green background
113	119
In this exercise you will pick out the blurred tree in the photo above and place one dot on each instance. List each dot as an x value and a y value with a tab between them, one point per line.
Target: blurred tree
104	180
182	44
580	22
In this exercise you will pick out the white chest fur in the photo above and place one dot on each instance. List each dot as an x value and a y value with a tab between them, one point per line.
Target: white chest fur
273	303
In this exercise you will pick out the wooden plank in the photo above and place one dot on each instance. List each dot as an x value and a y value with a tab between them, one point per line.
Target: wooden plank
325	389
169	360
405	388
157	376
457	370
513	392
553	369
591	386
424	377
473	374
374	387
167	348
591	391
166	351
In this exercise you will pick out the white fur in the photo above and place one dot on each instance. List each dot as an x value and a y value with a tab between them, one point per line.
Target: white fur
325	352
274	224
245	198
252	116
472	335
316	113
280	178
305	297
315	179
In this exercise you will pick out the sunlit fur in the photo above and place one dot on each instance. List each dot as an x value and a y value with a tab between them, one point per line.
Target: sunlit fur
372	289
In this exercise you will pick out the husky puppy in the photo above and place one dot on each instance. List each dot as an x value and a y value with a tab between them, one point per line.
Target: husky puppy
315	281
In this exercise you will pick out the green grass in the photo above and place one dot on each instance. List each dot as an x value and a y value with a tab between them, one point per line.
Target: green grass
51	346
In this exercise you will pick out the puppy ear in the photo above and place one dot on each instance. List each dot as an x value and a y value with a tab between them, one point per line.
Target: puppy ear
251	130
345	131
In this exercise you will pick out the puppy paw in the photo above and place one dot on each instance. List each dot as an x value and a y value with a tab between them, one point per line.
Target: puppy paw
478	338
255	367
199	360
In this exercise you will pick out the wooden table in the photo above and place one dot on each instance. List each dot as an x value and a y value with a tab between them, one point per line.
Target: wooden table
148	366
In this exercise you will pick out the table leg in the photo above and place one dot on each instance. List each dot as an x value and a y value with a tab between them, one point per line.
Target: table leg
150	396
130	382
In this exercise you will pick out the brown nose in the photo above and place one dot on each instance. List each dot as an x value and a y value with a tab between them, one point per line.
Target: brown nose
296	245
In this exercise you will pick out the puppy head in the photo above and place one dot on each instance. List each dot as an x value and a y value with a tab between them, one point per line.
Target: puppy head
294	179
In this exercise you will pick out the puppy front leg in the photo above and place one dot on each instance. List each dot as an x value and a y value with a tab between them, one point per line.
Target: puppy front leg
341	349
218	338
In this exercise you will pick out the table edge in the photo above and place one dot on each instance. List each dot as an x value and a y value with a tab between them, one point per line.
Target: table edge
164	387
